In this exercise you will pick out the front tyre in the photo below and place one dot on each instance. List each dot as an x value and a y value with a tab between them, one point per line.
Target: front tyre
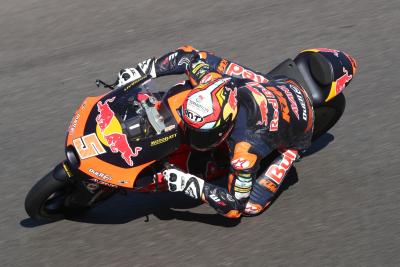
327	115
45	201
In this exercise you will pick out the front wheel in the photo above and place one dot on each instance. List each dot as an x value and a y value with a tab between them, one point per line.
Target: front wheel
327	115
45	201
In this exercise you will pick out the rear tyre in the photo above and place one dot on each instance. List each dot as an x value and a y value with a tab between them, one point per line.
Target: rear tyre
327	115
45	201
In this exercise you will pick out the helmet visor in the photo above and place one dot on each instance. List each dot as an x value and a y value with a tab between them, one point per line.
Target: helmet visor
205	139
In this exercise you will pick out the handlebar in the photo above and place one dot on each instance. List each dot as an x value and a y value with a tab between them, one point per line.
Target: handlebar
105	85
127	86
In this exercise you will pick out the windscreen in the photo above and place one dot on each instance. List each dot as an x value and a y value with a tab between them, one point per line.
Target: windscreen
134	119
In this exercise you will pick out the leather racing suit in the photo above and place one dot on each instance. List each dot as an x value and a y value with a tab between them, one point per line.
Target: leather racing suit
273	114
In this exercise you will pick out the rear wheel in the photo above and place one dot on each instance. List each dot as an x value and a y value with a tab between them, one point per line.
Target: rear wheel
327	115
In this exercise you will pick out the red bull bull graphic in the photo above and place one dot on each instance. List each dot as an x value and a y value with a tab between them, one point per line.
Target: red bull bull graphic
232	100
338	85
111	132
119	143
106	114
261	102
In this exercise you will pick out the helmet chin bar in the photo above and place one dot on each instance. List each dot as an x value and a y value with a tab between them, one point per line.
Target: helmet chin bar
222	135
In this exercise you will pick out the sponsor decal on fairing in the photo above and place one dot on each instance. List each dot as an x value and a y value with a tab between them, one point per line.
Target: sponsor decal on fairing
73	124
163	140
88	146
100	175
110	132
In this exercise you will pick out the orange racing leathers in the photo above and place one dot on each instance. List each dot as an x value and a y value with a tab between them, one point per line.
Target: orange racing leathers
273	115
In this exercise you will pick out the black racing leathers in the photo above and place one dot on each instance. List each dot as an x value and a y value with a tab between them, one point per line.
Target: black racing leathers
273	115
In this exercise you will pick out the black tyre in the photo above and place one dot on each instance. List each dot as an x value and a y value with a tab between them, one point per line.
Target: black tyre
327	115
45	201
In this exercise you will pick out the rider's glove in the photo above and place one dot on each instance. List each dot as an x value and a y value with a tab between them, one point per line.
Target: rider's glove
143	69
179	181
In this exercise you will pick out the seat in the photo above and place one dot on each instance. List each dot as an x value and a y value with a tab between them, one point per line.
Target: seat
318	73
312	70
289	69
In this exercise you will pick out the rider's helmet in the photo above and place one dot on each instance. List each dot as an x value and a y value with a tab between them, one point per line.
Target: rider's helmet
209	112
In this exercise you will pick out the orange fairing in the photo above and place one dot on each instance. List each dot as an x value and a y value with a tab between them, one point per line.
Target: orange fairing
115	175
78	123
92	166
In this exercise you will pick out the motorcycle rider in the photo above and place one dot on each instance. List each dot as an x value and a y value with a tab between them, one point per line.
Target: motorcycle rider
254	115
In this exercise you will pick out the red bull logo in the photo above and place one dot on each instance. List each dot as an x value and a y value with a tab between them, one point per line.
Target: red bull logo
341	82
119	143
261	102
232	100
110	132
106	114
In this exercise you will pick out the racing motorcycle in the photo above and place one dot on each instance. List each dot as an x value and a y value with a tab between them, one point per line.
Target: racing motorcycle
123	139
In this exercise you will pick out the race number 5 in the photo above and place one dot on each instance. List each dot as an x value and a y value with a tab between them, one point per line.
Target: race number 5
88	146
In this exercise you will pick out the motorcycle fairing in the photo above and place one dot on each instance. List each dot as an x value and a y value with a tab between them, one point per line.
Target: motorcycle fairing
146	149
322	72
331	70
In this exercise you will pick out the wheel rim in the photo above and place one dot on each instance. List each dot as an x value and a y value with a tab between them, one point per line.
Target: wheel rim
54	203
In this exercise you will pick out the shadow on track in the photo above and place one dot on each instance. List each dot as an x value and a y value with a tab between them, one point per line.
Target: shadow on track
31	223
166	206
318	145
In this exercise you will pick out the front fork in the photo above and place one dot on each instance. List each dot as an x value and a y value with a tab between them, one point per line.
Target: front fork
84	193
63	173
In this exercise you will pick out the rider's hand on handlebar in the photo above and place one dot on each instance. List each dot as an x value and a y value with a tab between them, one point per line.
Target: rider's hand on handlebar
179	181
130	75
126	76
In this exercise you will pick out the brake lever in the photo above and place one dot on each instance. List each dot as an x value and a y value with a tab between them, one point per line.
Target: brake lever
105	85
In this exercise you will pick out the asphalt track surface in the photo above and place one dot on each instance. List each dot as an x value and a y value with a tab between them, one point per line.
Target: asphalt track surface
342	205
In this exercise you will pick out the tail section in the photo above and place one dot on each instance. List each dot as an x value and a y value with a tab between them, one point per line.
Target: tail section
326	71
